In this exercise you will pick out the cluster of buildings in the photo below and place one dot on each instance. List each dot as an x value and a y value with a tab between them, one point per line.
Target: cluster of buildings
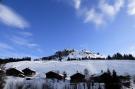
75	81
27	72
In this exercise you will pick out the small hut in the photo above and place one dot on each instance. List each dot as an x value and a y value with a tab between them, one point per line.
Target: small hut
78	77
14	72
53	75
28	72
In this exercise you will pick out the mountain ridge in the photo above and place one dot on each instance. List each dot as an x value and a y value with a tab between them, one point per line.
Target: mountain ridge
72	54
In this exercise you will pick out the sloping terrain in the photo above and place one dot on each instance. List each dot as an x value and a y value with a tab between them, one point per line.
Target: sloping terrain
71	67
73	55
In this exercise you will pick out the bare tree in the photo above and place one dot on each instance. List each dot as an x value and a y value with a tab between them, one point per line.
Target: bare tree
86	73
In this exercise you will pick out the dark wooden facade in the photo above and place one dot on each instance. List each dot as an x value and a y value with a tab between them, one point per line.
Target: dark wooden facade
78	77
53	75
14	72
28	72
1	72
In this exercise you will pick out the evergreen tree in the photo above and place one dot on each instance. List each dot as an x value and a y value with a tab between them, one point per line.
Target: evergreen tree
109	57
114	74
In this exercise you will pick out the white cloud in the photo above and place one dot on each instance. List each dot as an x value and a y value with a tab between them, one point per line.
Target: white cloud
11	18
93	16
104	11
101	13
131	7
77	4
111	10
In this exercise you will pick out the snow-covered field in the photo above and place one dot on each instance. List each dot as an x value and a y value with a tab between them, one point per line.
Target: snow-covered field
71	67
122	67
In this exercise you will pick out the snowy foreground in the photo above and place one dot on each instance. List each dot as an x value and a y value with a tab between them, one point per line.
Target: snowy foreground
41	83
94	66
70	67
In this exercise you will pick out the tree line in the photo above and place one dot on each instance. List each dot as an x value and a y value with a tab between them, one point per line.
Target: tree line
7	60
119	56
58	55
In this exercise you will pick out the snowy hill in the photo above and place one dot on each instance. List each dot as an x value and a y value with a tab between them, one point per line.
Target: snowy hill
84	54
74	54
71	67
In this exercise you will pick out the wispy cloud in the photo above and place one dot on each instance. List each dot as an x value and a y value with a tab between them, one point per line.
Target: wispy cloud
131	7
25	40
4	46
21	38
77	4
100	14
11	18
20	45
111	10
26	34
22	41
93	16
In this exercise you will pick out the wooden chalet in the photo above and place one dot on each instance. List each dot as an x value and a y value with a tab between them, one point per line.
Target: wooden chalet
76	78
1	72
14	72
28	72
53	75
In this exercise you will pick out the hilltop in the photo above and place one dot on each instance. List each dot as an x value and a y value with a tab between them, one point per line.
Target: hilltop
71	54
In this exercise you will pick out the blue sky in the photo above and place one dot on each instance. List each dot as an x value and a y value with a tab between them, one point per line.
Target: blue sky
40	27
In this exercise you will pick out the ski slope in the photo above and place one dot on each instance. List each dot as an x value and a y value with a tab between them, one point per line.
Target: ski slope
122	67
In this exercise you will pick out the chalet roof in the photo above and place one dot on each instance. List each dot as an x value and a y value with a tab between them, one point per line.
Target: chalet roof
13	71
27	69
2	71
77	75
51	72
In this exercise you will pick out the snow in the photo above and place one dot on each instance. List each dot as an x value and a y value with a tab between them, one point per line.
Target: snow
41	83
83	54
71	67
122	67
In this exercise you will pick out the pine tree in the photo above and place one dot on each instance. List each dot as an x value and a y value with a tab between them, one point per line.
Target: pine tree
109	57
